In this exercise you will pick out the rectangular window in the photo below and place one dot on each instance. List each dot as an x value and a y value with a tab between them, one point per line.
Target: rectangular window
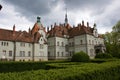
62	54
22	54
10	53
4	43
7	44
69	44
81	42
72	43
89	41
41	46
62	43
29	45
57	43
29	53
1	43
22	44
58	54
48	53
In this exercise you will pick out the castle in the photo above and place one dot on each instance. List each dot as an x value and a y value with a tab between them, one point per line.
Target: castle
58	42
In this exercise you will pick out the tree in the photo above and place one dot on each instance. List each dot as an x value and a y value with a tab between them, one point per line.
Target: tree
116	32
112	41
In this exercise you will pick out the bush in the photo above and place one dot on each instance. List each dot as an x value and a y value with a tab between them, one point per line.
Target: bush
103	56
80	57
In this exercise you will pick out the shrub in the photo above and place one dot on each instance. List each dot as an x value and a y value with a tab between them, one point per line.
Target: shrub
103	56
80	57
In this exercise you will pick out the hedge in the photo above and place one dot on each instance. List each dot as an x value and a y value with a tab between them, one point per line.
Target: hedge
80	57
70	71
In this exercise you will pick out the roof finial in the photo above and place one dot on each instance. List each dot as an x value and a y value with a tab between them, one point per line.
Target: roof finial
66	19
38	19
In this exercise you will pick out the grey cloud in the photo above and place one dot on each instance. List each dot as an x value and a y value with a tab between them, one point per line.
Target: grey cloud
33	7
96	6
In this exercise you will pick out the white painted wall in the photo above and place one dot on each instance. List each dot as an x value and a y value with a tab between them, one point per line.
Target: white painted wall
8	48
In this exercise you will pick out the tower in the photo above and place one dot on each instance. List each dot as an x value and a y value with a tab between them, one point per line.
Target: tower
66	19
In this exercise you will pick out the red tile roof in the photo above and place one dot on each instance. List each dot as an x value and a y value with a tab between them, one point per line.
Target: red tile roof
21	36
10	35
62	30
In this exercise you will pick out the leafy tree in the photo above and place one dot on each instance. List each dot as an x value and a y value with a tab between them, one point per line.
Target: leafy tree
112	41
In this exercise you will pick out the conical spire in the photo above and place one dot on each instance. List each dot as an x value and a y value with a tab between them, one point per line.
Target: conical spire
66	19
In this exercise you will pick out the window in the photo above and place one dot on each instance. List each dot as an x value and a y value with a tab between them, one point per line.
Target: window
58	54
92	42
72	43
57	43
62	54
2	43
22	54
48	53
7	43
41	46
10	53
29	45
89	41
69	44
22	44
96	42
62	43
29	53
70	53
81	42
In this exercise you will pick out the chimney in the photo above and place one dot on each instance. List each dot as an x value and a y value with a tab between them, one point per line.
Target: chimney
55	24
94	26
79	25
29	30
87	24
51	27
73	26
82	23
14	30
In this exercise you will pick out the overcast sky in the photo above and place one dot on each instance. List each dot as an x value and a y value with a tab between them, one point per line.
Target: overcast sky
23	13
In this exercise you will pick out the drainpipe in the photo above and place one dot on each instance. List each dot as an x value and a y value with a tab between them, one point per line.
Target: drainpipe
86	43
55	48
14	55
33	50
